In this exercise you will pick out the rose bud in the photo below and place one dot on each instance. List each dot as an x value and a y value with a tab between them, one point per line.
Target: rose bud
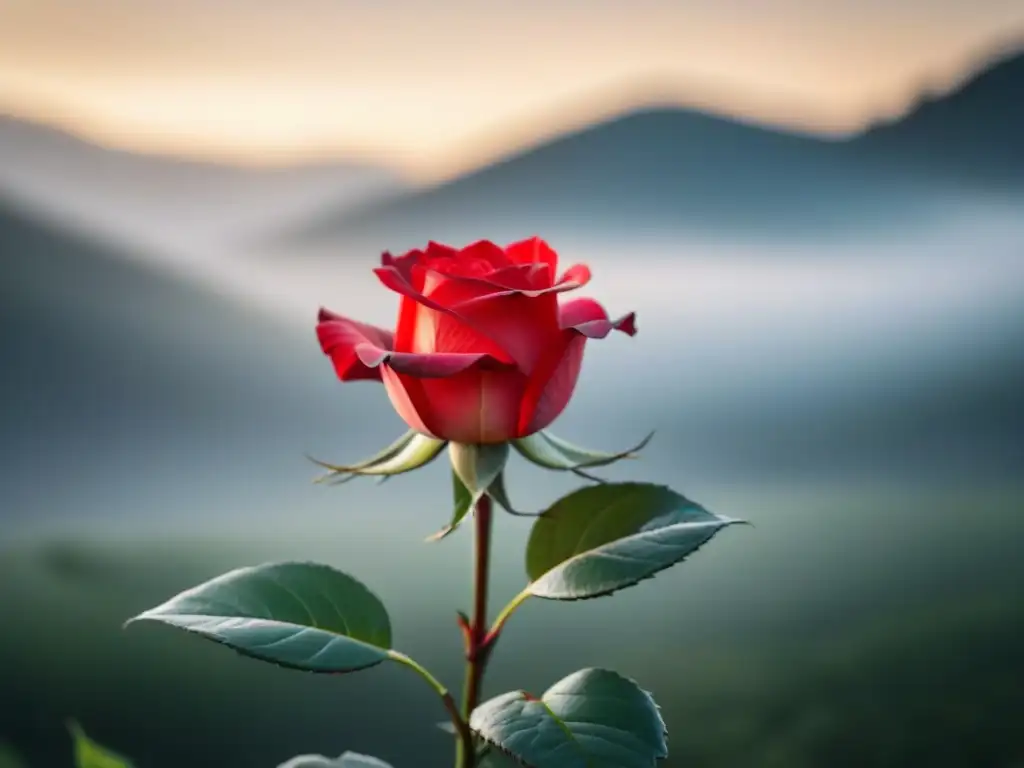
483	352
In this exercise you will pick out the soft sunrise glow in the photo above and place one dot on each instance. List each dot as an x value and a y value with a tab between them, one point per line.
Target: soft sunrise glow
268	82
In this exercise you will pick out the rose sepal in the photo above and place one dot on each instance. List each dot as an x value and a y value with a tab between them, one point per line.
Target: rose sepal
551	452
476	470
411	451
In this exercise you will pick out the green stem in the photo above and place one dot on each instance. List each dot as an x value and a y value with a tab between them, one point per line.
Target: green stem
478	643
506	612
461	725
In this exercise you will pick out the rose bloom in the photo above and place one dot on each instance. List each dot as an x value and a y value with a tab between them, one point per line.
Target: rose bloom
483	352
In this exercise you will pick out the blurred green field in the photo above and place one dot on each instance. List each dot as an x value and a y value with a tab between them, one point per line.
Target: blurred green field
881	659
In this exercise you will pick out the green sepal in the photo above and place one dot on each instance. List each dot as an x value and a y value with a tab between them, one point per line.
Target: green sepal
499	495
89	754
474	469
411	451
594	718
550	452
477	466
482	466
462	503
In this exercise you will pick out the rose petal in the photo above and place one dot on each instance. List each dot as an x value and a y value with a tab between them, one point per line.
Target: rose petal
357	350
341	338
423	330
589	318
449	312
575	277
418	284
476	406
510	327
552	383
486	251
446	313
400	274
436	250
407	398
429	366
403	280
444	397
533	251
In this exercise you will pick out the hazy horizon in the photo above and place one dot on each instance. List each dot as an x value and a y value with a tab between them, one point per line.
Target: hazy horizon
355	82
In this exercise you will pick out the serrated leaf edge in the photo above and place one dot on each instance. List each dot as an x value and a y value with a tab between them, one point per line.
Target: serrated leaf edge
721	520
148	615
530	697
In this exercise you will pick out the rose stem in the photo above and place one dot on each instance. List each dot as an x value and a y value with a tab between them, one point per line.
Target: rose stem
477	652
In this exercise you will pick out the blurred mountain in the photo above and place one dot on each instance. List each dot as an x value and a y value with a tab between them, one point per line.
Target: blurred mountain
166	201
91	341
669	169
114	372
973	136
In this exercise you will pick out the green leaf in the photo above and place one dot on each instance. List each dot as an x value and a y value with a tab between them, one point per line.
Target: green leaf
89	754
411	451
593	718
463	502
347	760
551	452
301	615
492	757
487	756
606	537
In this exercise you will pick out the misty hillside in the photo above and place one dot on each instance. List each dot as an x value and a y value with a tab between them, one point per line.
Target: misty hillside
653	170
667	169
149	198
111	370
83	330
971	137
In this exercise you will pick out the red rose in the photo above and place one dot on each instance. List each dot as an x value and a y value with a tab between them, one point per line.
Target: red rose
483	352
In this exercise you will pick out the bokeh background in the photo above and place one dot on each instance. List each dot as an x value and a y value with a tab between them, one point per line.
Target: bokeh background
817	211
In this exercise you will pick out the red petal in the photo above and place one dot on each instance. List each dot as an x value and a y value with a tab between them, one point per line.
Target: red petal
406	395
575	277
551	384
533	251
518	277
477	406
358	350
486	251
436	250
589	318
510	327
447	313
429	366
499	314
342	339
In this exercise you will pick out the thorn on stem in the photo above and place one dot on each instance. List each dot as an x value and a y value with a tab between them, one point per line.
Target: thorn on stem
467	633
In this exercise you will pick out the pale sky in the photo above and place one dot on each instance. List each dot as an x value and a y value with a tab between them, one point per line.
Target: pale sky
435	87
